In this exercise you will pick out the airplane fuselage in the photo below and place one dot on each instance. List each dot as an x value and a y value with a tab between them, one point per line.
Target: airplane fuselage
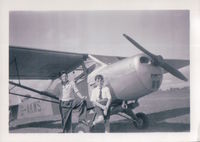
130	78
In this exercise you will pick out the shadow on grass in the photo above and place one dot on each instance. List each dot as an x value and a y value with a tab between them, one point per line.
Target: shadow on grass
156	120
156	123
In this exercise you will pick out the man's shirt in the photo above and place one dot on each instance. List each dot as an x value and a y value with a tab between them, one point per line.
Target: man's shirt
96	92
66	92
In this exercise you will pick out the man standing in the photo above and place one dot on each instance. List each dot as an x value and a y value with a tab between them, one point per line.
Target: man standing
66	91
101	99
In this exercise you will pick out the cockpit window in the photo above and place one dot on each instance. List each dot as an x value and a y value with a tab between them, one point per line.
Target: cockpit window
144	60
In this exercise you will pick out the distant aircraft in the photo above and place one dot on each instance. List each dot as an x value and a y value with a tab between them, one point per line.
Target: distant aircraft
128	78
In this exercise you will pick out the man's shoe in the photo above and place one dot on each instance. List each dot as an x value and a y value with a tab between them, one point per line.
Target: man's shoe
84	122
87	123
91	125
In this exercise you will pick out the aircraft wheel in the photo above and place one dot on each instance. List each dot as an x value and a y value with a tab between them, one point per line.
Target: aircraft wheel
82	128
142	122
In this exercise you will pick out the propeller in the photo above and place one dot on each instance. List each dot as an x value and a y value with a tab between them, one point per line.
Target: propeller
157	60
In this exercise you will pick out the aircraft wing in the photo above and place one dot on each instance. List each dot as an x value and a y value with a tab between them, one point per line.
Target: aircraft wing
177	63
26	63
108	59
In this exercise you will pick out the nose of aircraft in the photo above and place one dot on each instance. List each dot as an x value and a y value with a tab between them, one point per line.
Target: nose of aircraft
157	59
150	75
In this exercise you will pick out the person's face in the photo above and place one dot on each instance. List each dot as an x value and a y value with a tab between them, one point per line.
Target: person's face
99	82
64	78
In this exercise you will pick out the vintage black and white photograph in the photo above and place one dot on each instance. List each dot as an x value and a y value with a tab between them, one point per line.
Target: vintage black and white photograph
108	71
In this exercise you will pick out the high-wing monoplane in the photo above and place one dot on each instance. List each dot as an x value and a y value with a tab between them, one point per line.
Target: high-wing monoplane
129	78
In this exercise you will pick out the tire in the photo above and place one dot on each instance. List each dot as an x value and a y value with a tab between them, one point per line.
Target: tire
143	121
82	128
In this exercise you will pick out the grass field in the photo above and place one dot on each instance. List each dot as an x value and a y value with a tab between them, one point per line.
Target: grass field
167	112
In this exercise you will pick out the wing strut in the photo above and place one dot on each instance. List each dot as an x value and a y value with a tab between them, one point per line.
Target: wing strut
16	66
16	94
56	102
85	72
96	60
44	93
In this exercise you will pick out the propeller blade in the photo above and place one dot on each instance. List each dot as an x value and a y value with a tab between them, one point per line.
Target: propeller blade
138	46
173	71
158	60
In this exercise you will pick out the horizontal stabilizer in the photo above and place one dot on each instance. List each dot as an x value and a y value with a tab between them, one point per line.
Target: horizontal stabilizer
177	63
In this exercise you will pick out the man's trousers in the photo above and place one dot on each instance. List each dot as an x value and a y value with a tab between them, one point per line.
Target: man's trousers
66	113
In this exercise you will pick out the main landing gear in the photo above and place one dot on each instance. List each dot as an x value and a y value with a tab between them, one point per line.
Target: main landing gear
140	120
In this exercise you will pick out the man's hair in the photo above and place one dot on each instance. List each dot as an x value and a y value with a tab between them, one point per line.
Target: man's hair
99	76
61	73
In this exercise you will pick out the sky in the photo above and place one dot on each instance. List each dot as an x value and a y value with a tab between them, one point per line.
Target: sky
100	32
163	33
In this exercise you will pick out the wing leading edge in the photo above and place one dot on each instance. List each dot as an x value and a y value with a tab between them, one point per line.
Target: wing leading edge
26	63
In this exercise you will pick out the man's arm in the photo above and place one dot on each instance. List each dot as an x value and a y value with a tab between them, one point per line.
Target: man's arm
93	100
108	103
108	95
77	91
99	105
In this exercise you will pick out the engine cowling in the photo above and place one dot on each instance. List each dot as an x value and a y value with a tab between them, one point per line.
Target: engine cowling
130	78
150	75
